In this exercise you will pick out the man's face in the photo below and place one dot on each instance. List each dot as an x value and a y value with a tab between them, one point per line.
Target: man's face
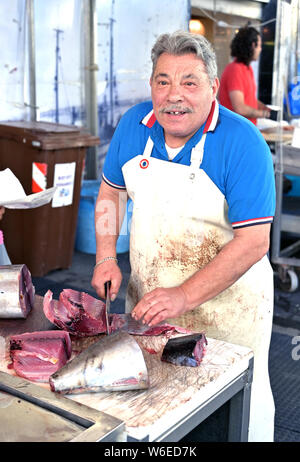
182	96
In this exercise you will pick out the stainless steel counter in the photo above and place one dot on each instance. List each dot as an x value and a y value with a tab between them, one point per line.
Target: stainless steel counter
31	413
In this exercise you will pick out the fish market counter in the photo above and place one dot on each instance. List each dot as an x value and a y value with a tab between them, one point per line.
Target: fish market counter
178	398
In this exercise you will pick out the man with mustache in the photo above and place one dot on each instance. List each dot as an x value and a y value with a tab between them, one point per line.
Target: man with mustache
202	184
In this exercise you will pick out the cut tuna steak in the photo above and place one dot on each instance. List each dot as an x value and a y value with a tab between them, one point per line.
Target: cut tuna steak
76	312
187	350
16	291
82	315
37	355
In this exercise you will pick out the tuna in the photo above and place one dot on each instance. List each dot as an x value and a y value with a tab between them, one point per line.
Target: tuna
82	315
78	313
187	350
133	327
16	291
114	363
37	355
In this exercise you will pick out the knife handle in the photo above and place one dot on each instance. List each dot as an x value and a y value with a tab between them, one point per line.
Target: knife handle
107	285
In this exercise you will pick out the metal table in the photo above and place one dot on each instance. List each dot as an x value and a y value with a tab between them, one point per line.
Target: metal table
180	398
238	392
30	413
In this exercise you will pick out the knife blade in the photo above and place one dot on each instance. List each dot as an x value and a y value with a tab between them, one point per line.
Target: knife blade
133	326
130	325
107	305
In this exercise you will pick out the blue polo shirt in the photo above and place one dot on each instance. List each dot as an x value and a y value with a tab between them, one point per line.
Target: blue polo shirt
236	158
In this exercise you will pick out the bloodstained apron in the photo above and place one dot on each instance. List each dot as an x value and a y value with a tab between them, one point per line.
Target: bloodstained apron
179	224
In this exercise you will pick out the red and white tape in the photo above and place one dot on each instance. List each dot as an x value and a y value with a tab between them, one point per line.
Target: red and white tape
39	176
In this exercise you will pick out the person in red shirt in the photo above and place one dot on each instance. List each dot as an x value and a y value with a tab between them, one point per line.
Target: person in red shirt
237	87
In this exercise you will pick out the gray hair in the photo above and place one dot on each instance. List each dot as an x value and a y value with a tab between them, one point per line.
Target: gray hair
180	43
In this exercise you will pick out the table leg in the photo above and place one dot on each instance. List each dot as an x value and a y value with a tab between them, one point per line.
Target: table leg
240	410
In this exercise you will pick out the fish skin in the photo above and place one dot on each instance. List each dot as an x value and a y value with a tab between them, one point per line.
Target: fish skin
185	350
114	363
16	291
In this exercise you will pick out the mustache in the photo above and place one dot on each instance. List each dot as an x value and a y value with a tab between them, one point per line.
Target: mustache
174	108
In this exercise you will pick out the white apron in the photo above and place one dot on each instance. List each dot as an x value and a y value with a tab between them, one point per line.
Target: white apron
179	223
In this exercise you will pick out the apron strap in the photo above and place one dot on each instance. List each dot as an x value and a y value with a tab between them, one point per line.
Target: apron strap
148	148
197	153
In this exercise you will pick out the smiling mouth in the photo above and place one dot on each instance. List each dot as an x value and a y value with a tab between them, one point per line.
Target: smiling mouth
175	111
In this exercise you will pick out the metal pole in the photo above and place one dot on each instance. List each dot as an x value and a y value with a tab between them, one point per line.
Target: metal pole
91	68
31	58
111	70
276	66
56	77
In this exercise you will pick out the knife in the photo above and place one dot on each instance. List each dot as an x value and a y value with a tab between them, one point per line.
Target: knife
107	305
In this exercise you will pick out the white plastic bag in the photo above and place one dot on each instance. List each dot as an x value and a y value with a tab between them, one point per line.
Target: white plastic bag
12	194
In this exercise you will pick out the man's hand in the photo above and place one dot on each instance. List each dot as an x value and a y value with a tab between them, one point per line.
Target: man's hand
2	211
247	247
107	271
160	304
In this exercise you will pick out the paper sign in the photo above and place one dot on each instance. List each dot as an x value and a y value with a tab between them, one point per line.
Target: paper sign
64	176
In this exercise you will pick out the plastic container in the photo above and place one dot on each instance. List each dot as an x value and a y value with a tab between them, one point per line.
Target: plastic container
85	240
43	238
85	232
4	258
123	242
295	190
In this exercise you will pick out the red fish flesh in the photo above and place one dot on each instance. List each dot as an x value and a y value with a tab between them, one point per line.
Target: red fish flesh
16	291
82	315
37	355
187	350
76	312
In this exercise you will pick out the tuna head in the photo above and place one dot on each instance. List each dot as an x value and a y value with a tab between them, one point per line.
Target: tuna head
114	363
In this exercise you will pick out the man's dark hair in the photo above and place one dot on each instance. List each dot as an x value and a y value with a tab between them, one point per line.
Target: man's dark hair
242	44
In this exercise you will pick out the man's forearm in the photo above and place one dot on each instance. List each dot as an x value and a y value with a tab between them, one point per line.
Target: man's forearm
239	106
248	111
109	213
234	259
